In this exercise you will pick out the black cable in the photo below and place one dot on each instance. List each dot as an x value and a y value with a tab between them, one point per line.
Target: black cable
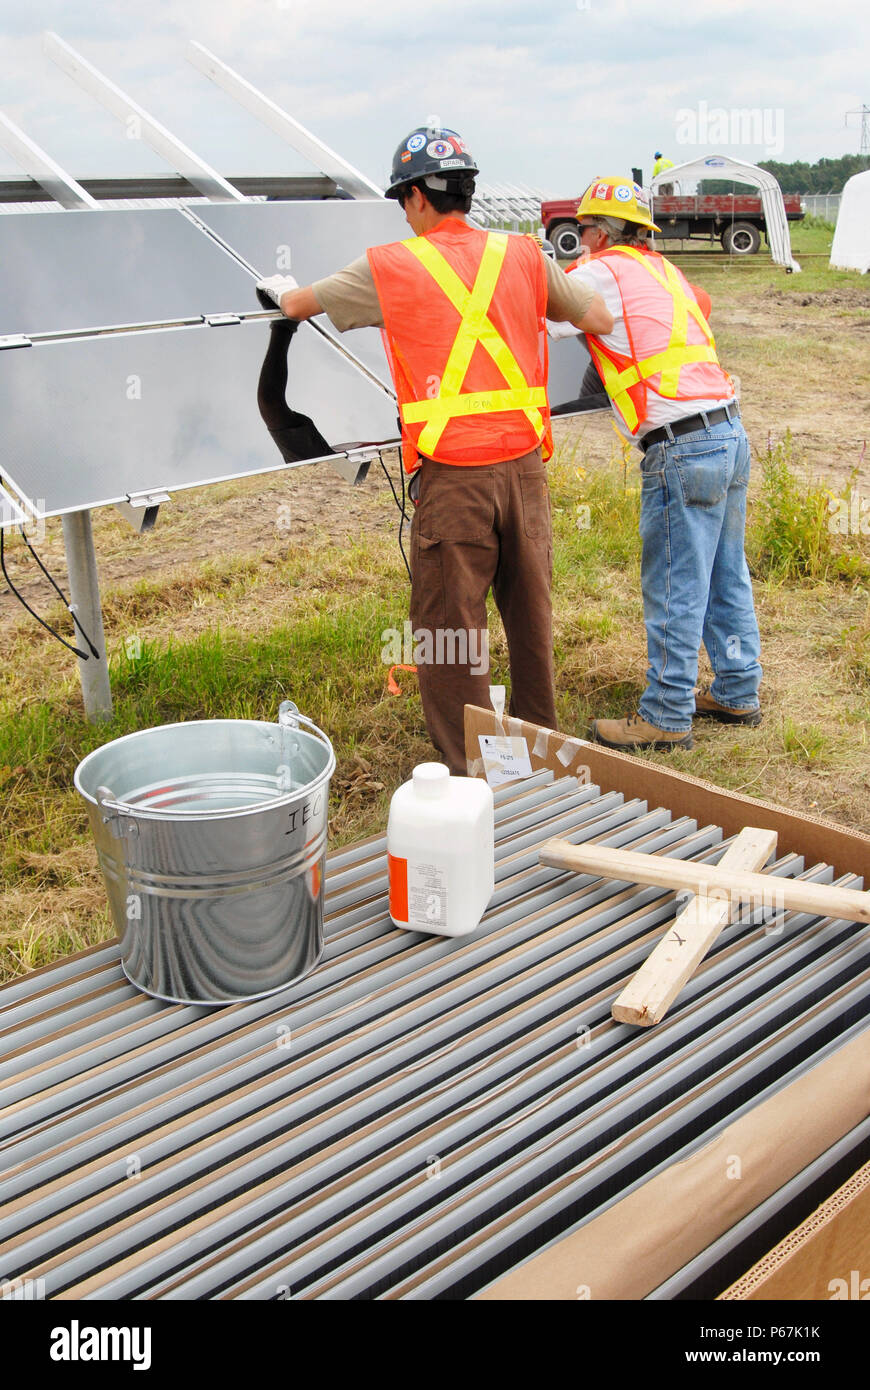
75	650
94	653
403	515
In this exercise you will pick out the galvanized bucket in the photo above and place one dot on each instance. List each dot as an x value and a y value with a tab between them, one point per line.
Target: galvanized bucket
211	837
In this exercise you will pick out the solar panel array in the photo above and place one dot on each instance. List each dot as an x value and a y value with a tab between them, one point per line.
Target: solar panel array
131	342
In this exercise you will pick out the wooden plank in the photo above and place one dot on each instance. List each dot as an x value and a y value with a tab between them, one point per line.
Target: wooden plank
782	893
650	992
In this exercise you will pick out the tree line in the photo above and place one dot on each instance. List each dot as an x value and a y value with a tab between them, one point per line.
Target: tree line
825	176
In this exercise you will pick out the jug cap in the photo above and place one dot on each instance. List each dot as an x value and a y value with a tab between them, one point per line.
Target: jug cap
431	779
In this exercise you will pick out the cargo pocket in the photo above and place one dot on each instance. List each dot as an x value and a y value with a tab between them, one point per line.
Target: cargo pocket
704	470
536	503
427	582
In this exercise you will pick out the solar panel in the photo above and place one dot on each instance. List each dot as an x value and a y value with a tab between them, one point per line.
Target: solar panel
569	358
91	421
308	240
311	240
10	512
98	269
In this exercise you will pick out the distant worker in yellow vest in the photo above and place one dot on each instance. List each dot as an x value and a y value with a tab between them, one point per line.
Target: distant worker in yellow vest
661	163
660	369
464	318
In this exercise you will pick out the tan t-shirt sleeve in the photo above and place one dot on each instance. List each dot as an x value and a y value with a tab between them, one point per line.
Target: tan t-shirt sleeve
349	297
568	299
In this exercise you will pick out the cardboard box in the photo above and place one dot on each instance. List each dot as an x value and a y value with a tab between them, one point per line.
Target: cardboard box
825	1257
644	1238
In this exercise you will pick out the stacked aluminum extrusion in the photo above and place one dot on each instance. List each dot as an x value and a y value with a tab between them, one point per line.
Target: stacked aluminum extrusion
420	1114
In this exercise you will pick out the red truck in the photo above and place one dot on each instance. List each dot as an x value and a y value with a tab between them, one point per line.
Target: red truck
737	219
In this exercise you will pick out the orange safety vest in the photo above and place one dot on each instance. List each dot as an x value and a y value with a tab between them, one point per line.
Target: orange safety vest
673	351
465	333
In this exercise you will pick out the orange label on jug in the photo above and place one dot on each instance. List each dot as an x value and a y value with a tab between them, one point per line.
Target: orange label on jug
398	871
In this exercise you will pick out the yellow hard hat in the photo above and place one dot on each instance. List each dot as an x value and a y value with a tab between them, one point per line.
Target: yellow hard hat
617	197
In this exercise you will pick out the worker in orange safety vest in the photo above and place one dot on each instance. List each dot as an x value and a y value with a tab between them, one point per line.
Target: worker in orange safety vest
670	394
463	313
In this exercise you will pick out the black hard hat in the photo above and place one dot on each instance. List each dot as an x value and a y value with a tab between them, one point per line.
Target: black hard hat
428	154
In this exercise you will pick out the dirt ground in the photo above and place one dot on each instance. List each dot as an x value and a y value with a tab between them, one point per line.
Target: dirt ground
826	409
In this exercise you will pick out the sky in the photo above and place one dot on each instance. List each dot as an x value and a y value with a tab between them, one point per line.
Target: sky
548	96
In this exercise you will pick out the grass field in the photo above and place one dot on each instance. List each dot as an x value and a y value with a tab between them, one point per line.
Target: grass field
228	607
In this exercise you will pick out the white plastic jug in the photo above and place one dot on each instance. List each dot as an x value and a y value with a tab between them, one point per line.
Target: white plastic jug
441	850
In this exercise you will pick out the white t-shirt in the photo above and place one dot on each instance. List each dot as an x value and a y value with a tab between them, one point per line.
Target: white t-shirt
660	409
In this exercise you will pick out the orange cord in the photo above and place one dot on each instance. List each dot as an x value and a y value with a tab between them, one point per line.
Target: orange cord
392	686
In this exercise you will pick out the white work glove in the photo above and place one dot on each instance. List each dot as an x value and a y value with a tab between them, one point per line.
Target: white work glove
562	330
270	290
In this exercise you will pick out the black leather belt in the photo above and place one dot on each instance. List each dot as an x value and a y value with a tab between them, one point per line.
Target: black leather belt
691	423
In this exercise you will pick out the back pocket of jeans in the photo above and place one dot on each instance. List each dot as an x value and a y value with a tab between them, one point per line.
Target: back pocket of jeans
704	470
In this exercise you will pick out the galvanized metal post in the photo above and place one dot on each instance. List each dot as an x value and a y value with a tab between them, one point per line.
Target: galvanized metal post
84	584
36	162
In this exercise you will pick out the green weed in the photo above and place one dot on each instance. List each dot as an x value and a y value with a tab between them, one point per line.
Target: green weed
799	529
805	743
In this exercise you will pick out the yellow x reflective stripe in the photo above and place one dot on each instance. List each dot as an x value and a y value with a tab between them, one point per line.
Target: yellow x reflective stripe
473	306
669	281
676	355
672	357
682	307
478	402
618	383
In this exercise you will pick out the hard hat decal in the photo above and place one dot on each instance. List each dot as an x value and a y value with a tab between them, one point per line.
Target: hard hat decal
428	151
619	195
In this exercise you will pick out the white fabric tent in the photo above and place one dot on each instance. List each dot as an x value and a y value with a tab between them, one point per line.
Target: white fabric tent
722	166
851	248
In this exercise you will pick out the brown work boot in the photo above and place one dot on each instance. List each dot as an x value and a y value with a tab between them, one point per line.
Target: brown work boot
635	732
708	708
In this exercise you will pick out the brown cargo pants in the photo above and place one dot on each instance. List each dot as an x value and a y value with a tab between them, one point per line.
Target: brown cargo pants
476	529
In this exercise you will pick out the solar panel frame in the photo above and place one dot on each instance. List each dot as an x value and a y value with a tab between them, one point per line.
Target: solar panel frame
95	270
195	391
11	513
311	240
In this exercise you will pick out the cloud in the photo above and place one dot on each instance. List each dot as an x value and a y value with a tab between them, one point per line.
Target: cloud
547	96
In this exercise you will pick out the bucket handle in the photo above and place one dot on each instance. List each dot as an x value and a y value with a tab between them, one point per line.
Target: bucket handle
290	718
113	811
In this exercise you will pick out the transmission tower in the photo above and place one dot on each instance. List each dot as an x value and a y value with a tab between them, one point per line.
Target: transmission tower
864	113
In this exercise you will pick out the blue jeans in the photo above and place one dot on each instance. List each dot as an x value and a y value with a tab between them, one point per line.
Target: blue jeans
694	575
